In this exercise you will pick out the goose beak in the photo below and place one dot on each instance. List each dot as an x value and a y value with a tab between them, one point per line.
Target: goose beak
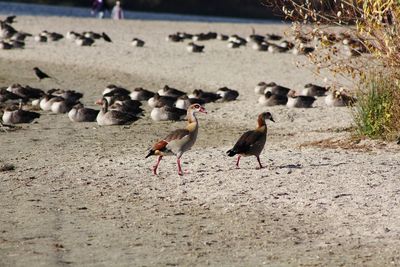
202	110
272	119
99	102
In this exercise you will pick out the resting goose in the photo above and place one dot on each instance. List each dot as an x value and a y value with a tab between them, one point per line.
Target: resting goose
61	105
69	95
227	94
270	99
137	42
15	115
251	143
7	95
299	101
260	88
260	46
314	90
178	141
167	113
26	92
169	91
158	100
207	97
184	102
126	105
112	90
79	113
194	48
46	102
276	89
113	117
273	48
339	98
141	94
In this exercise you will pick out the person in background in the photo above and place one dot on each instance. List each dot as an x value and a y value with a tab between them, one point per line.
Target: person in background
98	8
117	12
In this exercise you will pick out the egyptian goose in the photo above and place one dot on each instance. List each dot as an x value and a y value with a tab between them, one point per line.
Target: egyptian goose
79	113
141	94
60	105
137	42
260	88
276	89
6	95
314	90
194	48
169	91
299	101
269	99
260	46
174	38
339	98
15	115
222	37
158	100
251	143
273	48
286	44
113	117
206	96
178	141
232	44
126	105
273	37
112	90
93	35
69	95
25	92
184	102
237	40
167	113
227	94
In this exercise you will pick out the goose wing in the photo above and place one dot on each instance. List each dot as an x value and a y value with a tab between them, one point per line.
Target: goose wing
247	141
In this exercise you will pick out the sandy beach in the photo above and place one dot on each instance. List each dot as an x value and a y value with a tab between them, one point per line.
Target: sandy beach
84	195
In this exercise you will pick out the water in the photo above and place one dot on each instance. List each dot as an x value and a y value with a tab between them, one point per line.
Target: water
47	10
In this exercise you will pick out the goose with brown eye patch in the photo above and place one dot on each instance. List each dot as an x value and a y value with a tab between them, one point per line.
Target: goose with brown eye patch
178	141
251	143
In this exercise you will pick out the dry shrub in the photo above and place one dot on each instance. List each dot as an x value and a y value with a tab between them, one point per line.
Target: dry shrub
370	28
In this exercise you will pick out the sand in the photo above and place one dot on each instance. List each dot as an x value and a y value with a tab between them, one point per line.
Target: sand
83	195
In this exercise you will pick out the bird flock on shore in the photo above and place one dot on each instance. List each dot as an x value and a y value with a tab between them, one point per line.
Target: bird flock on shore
120	106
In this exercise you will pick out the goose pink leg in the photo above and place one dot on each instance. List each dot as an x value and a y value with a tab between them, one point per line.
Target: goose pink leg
237	162
259	162
156	166
178	161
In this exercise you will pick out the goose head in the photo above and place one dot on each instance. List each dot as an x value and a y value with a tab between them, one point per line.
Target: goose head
194	108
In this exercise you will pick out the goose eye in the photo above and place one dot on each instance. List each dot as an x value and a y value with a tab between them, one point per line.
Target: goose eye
197	106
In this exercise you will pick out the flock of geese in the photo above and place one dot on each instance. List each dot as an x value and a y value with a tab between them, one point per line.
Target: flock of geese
272	94
300	45
121	106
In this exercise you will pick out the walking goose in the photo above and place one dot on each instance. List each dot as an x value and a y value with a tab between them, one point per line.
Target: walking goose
178	141
251	143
